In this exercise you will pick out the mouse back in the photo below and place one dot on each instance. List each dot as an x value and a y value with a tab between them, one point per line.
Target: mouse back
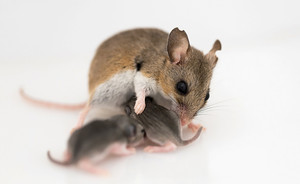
98	135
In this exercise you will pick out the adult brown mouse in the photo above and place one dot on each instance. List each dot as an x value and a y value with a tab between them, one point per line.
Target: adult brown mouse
91	143
151	62
162	126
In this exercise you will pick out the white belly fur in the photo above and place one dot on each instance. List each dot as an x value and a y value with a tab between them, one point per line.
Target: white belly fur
116	90
112	94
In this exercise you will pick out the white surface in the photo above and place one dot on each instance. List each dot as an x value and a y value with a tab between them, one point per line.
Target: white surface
252	131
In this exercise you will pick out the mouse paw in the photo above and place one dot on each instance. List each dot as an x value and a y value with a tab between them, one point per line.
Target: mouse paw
157	149
194	127
139	106
89	167
131	151
122	150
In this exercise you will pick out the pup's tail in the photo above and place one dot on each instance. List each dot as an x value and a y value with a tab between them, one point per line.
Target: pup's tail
186	142
51	104
63	163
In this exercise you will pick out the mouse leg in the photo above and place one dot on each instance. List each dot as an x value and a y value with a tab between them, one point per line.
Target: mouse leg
121	149
88	166
81	118
169	146
143	86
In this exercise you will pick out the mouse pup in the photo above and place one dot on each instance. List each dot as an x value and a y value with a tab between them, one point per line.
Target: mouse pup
162	126
94	141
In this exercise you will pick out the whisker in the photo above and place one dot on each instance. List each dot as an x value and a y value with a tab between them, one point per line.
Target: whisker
203	115
217	104
210	108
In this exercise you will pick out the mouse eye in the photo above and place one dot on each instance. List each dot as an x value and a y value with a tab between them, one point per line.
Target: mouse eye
130	131
127	110
207	96
182	87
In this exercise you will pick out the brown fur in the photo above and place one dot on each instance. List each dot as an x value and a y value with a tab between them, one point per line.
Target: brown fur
119	52
153	49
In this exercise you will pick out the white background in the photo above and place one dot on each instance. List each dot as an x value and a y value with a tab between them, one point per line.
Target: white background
253	127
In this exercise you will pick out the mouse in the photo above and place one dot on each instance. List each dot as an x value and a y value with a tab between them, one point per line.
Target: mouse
162	126
151	62
91	143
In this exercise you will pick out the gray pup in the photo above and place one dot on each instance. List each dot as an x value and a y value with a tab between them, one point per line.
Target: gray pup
99	138
162	126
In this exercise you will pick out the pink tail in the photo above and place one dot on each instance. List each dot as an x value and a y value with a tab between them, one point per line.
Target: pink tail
51	104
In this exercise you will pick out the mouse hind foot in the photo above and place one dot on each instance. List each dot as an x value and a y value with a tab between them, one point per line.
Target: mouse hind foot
122	149
169	146
88	166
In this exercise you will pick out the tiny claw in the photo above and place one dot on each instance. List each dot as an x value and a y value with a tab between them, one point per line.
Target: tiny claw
89	167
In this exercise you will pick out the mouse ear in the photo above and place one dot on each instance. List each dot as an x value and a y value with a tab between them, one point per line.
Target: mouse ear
211	55
127	110
178	46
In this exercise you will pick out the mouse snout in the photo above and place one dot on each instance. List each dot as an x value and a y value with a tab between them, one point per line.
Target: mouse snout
183	114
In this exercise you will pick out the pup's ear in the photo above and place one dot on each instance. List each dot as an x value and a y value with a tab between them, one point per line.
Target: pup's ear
178	46
211	55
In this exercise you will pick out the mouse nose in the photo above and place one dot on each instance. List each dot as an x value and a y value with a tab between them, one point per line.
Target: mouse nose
182	112
181	109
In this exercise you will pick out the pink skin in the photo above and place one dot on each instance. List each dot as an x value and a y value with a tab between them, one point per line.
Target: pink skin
185	121
88	166
122	149
169	146
50	104
81	119
82	115
140	102
194	127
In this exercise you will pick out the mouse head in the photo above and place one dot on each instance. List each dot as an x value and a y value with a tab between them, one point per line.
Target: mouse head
133	131
129	106
187	74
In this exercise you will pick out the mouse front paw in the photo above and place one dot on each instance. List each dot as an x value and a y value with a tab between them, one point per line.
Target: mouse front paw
194	127
139	106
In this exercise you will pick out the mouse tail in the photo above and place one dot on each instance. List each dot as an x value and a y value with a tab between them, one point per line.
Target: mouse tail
51	104
186	142
63	163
